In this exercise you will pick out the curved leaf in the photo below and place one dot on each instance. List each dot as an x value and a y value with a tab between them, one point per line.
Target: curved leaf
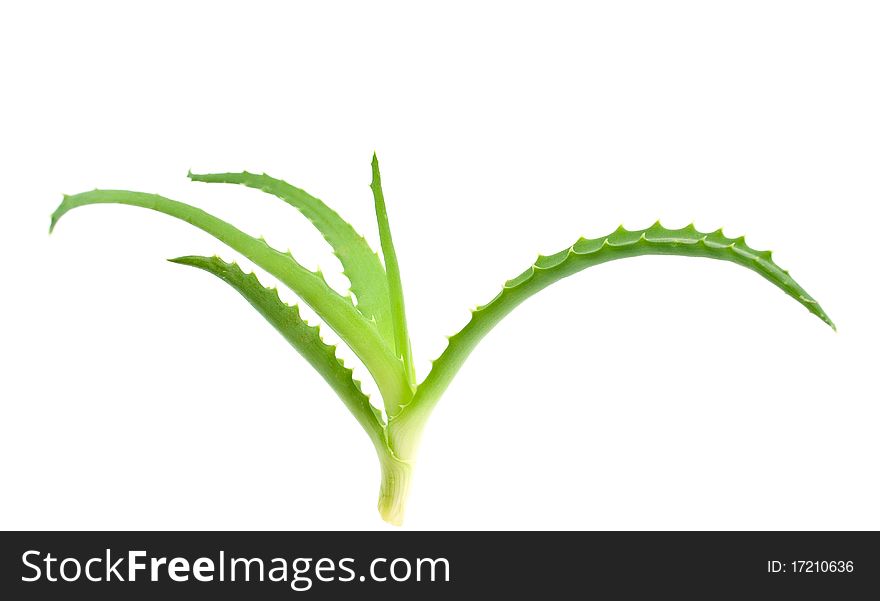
655	240
304	338
360	263
337	311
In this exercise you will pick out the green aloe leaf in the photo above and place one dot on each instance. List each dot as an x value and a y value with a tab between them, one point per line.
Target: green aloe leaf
337	311
304	338
655	240
360	263
395	287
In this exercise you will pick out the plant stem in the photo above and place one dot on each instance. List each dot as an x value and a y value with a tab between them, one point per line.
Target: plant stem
394	489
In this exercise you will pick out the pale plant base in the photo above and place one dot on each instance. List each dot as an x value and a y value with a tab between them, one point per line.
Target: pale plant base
394	489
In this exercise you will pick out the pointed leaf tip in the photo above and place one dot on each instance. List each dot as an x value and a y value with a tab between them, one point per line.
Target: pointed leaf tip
376	182
58	212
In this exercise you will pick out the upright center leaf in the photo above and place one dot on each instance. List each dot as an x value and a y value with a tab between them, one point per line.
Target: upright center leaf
395	288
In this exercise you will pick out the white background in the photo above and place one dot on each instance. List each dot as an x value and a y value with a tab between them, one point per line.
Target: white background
650	393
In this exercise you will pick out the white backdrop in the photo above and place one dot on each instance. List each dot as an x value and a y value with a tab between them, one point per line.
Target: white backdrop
650	393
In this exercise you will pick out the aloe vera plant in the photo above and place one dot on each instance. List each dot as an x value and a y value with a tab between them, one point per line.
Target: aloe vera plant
373	323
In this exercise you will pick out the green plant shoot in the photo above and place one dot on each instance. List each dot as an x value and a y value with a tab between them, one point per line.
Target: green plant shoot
373	323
